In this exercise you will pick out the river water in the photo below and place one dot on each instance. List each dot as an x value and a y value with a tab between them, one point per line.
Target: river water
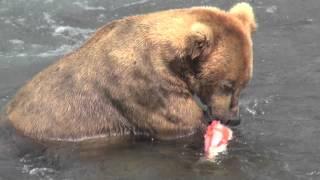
279	137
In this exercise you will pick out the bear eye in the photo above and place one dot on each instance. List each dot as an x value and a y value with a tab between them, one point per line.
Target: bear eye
227	86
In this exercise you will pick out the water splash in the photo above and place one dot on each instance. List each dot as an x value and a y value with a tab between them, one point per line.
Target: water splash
255	107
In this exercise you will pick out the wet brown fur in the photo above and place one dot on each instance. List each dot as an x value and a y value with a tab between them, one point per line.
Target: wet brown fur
137	76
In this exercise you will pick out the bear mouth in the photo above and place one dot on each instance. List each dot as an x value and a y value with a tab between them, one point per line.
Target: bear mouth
230	123
209	117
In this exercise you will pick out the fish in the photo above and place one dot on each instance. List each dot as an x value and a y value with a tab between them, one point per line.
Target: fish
216	139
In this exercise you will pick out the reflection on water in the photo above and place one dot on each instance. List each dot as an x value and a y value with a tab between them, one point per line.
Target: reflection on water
278	138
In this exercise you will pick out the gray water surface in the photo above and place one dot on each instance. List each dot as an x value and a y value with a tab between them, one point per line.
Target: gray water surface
279	137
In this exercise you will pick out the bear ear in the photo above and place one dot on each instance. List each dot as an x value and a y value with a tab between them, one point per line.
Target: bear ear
200	38
245	13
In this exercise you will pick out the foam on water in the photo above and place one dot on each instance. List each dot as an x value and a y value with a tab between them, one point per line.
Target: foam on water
84	5
271	9
314	173
73	34
20	48
33	167
49	53
65	30
5	98
48	1
16	41
47	17
70	32
135	3
56	52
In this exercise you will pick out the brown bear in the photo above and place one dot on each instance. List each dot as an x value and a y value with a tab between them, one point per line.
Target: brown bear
138	76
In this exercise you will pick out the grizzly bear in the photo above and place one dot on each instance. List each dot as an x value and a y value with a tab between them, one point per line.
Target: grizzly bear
139	75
